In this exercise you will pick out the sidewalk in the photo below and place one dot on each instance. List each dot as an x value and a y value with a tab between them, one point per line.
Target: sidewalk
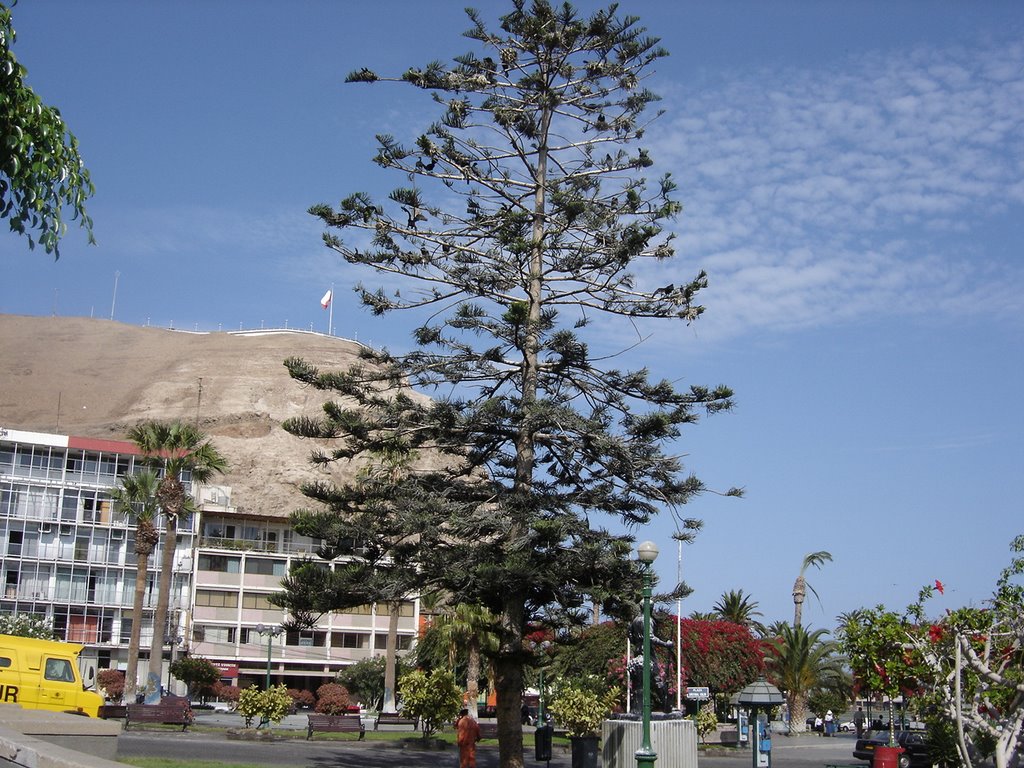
297	751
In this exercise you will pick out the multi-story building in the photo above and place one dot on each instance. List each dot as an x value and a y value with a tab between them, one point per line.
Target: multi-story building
66	555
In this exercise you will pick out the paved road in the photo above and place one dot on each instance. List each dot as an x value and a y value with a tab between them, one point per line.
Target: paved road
796	752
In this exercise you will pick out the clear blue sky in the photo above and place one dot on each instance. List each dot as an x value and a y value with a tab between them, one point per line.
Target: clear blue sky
853	181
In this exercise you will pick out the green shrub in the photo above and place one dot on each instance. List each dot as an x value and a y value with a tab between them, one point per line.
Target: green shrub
581	710
707	720
269	706
434	698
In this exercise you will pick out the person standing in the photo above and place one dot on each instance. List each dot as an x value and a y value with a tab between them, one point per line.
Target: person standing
830	723
467	734
858	721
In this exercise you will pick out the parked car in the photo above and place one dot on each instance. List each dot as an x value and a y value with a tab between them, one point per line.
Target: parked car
916	749
847	725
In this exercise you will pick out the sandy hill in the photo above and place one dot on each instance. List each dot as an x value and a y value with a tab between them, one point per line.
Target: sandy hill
95	378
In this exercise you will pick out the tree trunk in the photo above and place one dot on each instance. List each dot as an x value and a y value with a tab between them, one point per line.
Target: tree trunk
508	684
156	652
131	674
391	659
473	677
799	593
797	713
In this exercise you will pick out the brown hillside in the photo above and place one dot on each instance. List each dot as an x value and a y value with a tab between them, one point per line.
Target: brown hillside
96	378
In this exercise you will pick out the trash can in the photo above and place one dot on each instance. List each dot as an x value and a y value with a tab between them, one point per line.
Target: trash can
542	742
886	757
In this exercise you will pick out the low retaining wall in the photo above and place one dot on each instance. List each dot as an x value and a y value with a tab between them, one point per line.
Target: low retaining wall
35	738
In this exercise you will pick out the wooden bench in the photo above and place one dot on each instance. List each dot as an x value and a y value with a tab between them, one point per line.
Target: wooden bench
113	711
396	719
169	714
335	724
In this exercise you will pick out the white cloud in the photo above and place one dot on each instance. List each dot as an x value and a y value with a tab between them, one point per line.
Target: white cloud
815	197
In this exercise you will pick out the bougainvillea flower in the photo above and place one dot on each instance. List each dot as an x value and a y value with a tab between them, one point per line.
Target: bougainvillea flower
938	586
935	633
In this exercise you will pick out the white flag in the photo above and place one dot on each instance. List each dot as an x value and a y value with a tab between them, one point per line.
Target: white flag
325	302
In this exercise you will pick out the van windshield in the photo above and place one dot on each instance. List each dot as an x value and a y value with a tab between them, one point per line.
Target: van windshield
59	669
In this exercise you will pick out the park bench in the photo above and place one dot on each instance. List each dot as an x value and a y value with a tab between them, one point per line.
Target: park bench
169	714
395	719
730	737
335	724
113	711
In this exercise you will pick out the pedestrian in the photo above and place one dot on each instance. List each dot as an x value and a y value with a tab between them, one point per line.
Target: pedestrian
830	723
467	734
858	721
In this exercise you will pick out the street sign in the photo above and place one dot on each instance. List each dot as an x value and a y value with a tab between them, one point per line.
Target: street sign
698	693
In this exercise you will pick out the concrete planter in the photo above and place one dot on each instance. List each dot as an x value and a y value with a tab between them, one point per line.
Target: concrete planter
674	741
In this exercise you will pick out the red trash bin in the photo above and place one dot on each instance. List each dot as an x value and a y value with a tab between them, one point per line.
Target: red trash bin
887	757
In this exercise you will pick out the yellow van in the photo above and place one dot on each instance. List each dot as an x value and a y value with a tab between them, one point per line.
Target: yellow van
43	674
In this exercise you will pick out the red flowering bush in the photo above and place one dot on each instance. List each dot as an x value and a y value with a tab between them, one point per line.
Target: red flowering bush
721	655
332	699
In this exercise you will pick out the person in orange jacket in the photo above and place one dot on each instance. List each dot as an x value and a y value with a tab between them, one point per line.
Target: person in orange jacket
467	734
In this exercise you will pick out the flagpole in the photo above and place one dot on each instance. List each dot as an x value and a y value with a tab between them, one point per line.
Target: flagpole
330	317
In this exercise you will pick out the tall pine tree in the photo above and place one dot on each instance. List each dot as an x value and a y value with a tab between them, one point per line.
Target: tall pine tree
525	209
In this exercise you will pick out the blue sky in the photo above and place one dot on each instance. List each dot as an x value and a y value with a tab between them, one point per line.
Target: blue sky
852	176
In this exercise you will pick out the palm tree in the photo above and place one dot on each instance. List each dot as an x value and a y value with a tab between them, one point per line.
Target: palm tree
799	663
136	498
176	448
775	628
703	616
740	609
801	586
471	626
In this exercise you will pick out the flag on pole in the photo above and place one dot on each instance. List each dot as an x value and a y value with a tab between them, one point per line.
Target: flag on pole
325	302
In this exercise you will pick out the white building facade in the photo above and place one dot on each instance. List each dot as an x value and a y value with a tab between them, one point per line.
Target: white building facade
66	555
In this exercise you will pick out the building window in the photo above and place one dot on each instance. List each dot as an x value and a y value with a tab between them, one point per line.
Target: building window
306	638
206	633
359	610
263	566
209	598
257	600
349	640
219	563
218	530
95	510
403	642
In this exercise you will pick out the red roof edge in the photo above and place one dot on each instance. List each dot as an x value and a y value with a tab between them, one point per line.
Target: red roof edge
96	444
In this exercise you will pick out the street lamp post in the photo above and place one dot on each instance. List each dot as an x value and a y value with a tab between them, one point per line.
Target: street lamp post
647	552
271	633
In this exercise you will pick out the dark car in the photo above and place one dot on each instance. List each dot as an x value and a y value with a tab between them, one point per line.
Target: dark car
916	750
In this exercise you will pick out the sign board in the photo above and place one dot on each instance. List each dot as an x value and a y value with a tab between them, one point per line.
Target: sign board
227	670
698	693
